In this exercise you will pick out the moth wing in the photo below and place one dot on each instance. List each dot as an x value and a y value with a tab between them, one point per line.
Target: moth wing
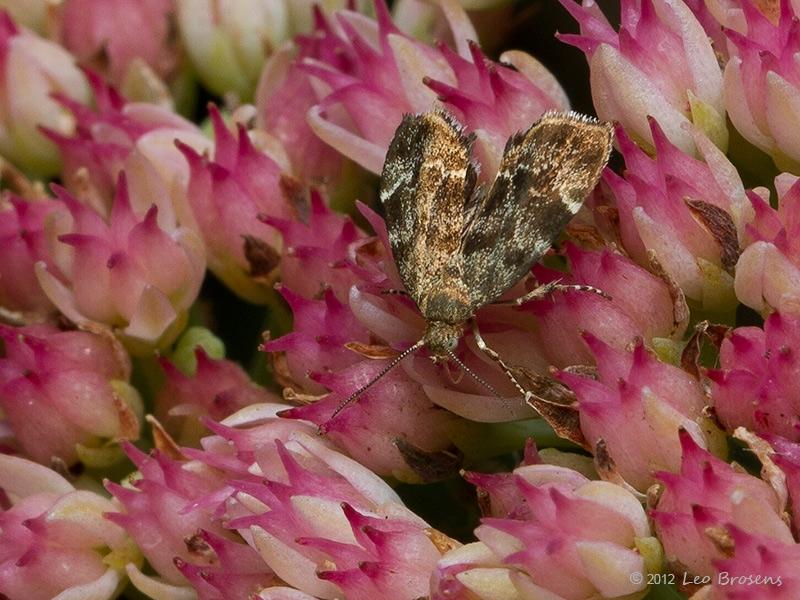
544	176
426	179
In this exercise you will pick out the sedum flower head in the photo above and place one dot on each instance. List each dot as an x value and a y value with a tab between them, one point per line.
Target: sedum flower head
637	406
759	567
168	503
562	319
687	215
317	249
330	528
55	540
268	504
361	75
568	537
755	384
216	389
130	273
137	137
108	37
65	395
659	64
762	79
706	495
226	196
786	456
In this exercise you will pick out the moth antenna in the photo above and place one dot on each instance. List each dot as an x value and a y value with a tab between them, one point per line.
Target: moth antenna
474	375
345	403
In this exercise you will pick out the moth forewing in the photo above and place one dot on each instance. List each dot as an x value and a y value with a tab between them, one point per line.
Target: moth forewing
543	179
427	176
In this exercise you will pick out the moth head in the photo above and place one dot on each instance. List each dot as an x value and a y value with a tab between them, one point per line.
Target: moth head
441	338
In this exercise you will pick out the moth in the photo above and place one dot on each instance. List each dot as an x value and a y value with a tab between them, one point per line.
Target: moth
459	246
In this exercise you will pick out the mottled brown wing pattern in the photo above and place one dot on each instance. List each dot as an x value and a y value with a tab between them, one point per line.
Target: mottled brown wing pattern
544	176
426	179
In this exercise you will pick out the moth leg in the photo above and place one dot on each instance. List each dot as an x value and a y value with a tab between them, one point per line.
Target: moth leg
543	291
484	347
395	292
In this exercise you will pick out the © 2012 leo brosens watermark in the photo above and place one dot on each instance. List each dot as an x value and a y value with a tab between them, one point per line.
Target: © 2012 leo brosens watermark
723	578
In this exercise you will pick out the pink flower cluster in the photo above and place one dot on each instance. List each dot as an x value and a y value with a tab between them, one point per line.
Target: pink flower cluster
144	441
307	516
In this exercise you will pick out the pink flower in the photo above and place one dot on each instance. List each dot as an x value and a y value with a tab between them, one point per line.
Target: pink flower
134	275
316	250
164	508
762	79
394	430
178	510
760	568
234	570
228	46
321	329
137	137
283	97
65	394
108	36
319	521
372	74
227	195
54	539
659	64
500	496
641	306
687	214
755	386
576	538
706	495
32	70
217	389
768	270
787	458
636	406
22	244
329	527
713	16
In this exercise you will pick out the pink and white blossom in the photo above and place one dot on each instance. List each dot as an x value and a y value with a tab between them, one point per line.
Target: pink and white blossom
65	395
55	540
660	65
33	69
131	274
